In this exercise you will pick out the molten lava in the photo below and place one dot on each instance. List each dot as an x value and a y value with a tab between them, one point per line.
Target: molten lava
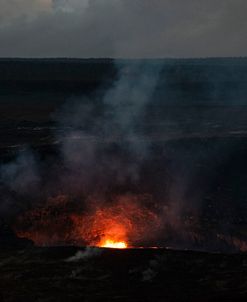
114	245
122	221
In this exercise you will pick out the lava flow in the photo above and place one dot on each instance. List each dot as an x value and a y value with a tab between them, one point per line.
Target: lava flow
121	222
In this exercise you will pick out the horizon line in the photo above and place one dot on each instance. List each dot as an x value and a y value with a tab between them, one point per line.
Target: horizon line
122	59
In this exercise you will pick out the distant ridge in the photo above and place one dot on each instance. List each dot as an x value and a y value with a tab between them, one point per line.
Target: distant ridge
100	60
183	81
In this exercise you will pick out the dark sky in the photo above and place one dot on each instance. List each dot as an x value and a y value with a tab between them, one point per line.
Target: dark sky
123	28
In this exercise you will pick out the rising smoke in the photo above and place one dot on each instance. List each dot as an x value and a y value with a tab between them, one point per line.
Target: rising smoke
102	152
109	163
105	145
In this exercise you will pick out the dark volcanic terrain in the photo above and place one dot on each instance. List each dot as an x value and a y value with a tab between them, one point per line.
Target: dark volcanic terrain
73	274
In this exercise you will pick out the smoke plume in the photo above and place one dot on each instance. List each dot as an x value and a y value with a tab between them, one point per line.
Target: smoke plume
115	172
105	144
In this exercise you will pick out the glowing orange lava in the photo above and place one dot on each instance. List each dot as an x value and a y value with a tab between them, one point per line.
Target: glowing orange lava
113	245
122	222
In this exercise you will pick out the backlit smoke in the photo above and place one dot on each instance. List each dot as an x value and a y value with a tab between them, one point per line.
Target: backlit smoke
114	181
90	201
104	146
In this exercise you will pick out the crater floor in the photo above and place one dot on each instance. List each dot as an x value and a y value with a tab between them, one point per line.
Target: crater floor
79	274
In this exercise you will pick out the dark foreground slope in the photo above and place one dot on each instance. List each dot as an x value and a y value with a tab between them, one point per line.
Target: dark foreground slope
53	274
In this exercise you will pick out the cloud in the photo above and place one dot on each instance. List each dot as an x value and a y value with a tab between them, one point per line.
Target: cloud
16	9
123	28
70	5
